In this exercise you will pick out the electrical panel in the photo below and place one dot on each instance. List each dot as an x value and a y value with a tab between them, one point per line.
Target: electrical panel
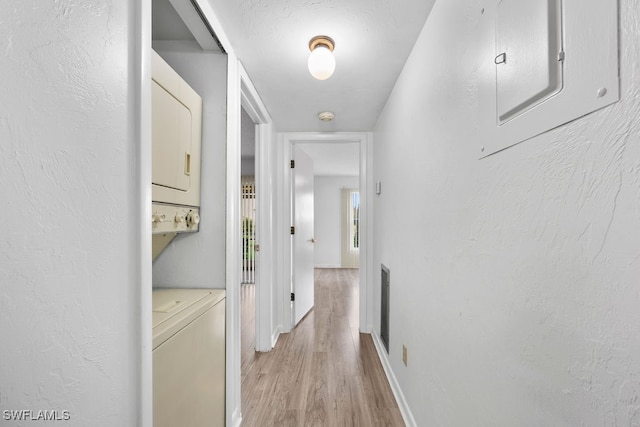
541	64
529	55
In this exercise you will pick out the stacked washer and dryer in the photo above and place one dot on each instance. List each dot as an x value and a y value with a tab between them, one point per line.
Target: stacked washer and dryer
188	324
188	357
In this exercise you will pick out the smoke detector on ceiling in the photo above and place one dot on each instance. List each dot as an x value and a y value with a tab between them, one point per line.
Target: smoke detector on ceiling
326	116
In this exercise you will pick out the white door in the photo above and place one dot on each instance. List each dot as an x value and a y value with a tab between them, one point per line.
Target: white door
303	238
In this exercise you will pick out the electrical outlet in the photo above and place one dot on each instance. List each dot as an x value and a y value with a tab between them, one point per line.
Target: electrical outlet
404	355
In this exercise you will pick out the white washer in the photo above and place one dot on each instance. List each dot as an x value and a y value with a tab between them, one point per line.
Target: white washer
188	357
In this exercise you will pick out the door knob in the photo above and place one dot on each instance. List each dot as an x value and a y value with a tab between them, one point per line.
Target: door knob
313	240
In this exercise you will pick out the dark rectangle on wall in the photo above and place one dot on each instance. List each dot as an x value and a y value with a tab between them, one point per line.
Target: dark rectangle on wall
384	306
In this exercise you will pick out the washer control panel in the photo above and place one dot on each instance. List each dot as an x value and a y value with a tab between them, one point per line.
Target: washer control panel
174	219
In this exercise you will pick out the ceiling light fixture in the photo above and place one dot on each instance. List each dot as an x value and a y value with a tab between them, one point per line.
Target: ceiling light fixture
321	61
326	116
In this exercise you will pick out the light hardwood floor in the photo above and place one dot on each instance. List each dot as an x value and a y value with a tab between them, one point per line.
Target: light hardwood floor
247	327
323	373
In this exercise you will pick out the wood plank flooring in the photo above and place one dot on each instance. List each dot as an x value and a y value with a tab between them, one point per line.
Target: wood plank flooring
247	327
323	373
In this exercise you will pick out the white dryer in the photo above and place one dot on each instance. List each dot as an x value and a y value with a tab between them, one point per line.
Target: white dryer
188	357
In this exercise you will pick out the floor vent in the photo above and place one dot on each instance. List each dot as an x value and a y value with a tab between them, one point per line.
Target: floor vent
384	306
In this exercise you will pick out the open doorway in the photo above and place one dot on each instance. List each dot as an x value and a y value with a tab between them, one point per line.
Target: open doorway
337	201
359	143
243	98
249	264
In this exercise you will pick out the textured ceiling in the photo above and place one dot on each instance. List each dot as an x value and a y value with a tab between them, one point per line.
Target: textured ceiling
373	39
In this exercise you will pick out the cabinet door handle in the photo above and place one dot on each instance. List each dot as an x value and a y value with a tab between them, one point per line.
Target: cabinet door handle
187	163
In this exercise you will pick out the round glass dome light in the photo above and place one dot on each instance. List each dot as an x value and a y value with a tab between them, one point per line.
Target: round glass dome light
321	61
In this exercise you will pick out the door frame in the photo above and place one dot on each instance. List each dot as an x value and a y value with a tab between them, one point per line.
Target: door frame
255	109
242	93
283	213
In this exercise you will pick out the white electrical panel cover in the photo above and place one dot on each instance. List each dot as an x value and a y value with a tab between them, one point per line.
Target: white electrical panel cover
543	63
529	59
176	134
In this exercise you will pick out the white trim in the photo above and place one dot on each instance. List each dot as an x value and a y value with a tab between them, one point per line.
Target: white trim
281	236
367	271
264	227
275	336
407	416
212	18
251	101
283	278
241	93
142	94
233	239
256	110
192	20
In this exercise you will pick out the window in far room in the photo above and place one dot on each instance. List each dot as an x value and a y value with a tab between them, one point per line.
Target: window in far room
350	228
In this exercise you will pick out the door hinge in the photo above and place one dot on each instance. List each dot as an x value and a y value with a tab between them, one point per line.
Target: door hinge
293	164
293	297
293	230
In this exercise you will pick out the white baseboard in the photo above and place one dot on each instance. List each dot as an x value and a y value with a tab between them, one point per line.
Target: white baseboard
275	336
236	419
393	382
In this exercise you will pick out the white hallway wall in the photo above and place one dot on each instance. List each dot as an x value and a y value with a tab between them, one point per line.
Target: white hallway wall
70	248
516	291
327	218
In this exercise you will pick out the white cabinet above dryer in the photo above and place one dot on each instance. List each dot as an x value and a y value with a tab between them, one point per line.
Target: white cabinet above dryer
176	135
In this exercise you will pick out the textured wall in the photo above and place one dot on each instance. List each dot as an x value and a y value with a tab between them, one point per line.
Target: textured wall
328	218
68	280
198	259
518	295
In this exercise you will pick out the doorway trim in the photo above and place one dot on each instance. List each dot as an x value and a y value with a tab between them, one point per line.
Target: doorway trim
283	212
255	109
241	92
